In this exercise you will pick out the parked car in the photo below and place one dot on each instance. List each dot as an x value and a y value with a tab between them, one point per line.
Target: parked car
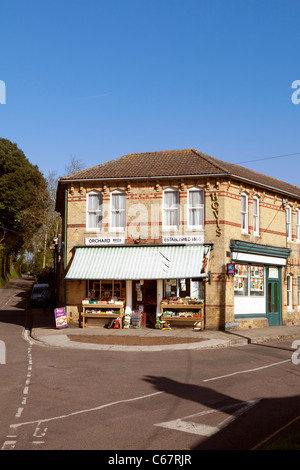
37	296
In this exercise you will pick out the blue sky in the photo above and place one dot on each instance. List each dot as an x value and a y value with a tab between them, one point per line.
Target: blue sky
99	79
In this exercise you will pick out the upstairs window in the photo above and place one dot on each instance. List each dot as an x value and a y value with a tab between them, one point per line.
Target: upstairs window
244	213
297	225
288	215
289	292
118	210
196	208
171	208
94	210
255	216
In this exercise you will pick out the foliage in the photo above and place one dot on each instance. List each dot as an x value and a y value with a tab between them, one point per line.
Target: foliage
24	198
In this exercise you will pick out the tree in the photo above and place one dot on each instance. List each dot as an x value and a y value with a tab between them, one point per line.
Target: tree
74	166
24	198
51	227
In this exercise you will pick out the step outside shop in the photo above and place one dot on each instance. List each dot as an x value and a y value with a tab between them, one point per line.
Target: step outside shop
177	238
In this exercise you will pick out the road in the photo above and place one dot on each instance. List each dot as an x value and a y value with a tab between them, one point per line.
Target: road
65	399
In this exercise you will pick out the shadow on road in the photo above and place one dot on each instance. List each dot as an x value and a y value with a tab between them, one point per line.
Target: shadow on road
243	433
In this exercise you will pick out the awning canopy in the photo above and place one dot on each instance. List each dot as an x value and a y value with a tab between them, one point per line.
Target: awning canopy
139	262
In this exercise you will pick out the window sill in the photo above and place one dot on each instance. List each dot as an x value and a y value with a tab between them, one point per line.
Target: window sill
170	229
194	228
93	230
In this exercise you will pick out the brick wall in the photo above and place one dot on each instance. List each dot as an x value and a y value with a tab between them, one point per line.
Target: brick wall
222	224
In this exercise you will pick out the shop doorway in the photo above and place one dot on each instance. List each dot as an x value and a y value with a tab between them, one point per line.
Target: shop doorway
274	296
144	298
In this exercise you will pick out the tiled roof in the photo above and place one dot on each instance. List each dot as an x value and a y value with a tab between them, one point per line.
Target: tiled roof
188	162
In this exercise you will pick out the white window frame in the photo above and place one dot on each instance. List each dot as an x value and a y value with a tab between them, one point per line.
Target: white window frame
288	221
297	225
176	208
244	214
289	290
115	228
98	211
256	216
199	208
298	291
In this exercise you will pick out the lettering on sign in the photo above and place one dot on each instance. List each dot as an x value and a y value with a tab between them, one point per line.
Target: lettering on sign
215	209
184	239
105	241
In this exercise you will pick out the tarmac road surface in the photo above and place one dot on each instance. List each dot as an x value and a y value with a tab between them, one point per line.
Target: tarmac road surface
74	397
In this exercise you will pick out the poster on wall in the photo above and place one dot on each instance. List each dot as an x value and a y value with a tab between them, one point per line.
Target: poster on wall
60	317
257	279
241	275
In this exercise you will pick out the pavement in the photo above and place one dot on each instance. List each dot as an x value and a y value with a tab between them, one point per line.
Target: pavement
43	331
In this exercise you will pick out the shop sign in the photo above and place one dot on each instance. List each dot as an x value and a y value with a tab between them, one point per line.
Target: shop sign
184	239
231	269
104	241
60	317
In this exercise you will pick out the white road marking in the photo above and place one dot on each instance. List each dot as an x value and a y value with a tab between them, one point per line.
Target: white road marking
89	410
9	444
203	429
246	371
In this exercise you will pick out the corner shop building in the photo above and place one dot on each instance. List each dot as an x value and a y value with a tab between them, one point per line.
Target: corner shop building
121	218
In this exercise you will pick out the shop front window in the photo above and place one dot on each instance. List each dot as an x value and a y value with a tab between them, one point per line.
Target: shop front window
249	280
106	290
184	288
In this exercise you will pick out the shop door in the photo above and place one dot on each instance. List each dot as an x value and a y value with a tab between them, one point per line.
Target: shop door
145	298
274	302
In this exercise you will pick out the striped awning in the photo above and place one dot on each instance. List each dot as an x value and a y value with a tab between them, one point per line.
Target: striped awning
139	262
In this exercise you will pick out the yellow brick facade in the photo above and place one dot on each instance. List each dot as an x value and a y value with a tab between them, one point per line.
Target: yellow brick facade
144	225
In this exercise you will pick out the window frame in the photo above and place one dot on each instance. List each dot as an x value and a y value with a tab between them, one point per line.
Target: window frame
177	209
289	292
249	279
122	193
256	216
94	211
245	214
288	222
298	225
200	208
